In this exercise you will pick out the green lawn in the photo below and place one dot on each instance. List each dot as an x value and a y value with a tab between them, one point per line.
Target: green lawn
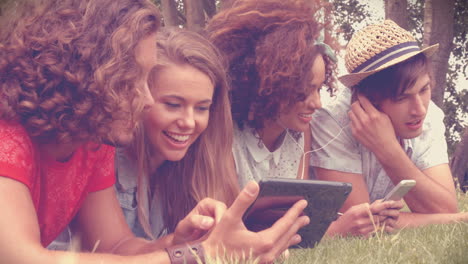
431	244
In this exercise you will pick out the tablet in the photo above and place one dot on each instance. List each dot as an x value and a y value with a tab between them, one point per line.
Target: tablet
277	195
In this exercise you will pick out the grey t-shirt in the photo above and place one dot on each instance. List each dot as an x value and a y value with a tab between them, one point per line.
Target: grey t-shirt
342	152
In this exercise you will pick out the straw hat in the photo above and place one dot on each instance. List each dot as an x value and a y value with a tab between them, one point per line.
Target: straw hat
377	47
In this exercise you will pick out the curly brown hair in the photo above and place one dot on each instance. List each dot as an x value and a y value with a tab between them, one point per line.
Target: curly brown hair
66	66
269	45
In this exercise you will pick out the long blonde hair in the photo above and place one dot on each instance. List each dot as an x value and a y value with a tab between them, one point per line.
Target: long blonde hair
207	169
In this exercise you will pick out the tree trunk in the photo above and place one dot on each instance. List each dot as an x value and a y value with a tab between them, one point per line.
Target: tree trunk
459	160
170	13
210	7
225	3
438	28
194	11
397	10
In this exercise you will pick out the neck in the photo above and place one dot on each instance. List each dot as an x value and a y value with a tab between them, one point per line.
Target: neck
155	161
271	134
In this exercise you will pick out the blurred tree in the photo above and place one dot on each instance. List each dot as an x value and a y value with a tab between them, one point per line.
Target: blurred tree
346	14
459	161
192	14
439	28
397	10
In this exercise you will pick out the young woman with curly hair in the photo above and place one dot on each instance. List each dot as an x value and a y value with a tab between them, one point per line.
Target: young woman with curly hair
277	66
73	75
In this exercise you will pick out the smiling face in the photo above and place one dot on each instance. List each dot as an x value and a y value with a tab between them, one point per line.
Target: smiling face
407	111
180	113
299	115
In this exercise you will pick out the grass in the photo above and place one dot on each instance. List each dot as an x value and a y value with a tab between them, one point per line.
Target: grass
430	244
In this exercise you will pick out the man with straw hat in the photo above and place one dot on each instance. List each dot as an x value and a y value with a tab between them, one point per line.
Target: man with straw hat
385	129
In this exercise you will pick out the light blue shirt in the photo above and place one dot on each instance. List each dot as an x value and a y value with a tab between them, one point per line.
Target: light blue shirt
126	188
346	154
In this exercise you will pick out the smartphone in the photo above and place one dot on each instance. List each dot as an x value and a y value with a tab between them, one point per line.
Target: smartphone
399	191
277	195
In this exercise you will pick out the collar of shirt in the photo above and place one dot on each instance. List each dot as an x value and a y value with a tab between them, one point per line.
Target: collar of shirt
407	145
258	150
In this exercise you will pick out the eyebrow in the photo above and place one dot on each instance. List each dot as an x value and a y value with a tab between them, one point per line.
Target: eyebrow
424	86
208	101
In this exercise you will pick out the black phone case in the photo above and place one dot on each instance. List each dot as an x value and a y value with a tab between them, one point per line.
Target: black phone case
324	199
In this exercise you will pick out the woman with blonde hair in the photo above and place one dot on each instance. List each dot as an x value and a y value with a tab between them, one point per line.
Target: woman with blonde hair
181	157
181	152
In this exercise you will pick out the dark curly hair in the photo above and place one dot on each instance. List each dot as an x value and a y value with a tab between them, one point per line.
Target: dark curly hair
269	45
66	66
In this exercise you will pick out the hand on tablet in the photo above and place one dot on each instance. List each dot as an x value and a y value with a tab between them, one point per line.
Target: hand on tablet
231	237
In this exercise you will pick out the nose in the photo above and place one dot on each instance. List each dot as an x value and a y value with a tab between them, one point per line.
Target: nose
313	101
418	108
147	97
187	120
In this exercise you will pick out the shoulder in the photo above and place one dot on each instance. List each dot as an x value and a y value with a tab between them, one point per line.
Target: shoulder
126	169
14	140
17	155
430	148
337	109
241	136
435	117
433	128
13	131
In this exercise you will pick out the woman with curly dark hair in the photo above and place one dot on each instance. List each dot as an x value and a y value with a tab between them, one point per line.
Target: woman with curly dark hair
73	75
277	66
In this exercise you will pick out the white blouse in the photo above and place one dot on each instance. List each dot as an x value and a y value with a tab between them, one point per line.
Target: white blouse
254	161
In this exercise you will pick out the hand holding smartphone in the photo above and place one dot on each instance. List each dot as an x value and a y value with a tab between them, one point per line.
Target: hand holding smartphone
400	190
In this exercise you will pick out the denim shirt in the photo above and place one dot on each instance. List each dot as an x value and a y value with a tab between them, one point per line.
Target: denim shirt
126	188
342	152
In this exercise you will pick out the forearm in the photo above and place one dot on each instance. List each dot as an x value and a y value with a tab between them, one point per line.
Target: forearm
428	196
135	246
44	256
416	219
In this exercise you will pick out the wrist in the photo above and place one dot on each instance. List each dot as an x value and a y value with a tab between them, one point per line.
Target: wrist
334	228
186	253
389	154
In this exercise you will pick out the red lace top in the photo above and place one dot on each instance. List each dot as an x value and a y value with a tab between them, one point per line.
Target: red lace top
60	189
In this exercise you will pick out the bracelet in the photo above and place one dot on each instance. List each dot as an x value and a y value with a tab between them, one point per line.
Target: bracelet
186	254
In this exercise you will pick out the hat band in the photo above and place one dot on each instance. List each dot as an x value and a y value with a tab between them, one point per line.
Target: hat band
386	56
